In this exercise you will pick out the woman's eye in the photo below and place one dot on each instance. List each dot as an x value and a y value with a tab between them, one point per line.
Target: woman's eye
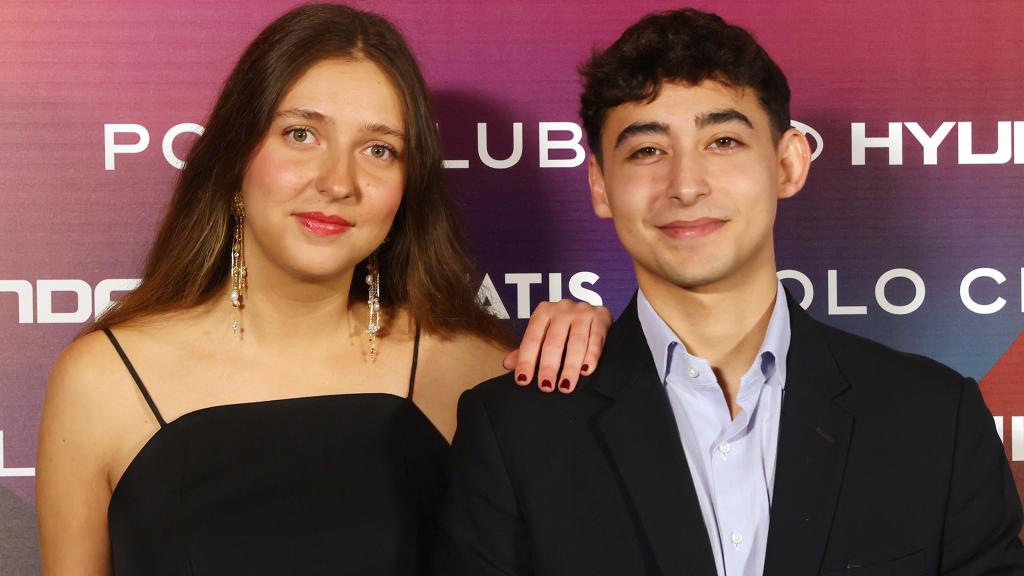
300	135
381	151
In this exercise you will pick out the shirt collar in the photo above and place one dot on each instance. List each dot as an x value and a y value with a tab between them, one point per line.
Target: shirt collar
772	354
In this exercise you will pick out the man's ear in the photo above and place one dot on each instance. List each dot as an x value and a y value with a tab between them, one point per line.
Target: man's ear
598	196
794	153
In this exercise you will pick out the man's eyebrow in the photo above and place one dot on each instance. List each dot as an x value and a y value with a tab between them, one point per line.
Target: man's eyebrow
383	130
304	114
640	128
716	117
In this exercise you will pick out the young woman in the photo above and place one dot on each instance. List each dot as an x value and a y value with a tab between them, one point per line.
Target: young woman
277	395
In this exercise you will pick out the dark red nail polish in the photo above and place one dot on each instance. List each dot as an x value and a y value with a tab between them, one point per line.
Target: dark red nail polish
521	378
565	384
546	385
585	367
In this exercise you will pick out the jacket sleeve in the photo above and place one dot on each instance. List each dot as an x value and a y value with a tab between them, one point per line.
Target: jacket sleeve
983	512
482	532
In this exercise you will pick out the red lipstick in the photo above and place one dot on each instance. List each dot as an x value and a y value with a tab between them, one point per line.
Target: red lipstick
323	224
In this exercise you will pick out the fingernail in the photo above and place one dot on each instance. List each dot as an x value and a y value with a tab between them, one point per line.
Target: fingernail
565	384
546	385
521	377
585	367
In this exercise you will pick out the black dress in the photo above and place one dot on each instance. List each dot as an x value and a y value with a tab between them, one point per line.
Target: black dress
338	484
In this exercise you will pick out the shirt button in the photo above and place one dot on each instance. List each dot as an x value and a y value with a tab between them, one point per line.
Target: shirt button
693	372
724	448
736	538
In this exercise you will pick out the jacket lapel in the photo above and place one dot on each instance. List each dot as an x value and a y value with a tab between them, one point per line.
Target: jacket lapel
640	434
814	436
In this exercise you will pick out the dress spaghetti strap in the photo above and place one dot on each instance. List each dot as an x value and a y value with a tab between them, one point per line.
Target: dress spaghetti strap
415	358
138	381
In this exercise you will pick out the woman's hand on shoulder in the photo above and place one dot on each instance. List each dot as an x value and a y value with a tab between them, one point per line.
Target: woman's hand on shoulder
576	329
72	477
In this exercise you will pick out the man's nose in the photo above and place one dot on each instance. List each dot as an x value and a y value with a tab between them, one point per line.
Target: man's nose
688	182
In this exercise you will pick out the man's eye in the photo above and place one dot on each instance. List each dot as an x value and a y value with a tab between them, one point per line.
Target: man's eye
647	152
724	142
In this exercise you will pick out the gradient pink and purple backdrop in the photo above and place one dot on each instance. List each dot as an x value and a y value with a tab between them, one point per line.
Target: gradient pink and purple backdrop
69	68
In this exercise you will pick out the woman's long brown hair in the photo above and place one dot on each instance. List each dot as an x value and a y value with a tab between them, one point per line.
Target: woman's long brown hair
425	265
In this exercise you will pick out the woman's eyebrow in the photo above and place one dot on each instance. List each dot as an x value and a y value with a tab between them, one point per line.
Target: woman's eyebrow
304	114
383	129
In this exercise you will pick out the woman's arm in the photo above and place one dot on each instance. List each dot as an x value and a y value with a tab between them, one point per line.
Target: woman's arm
72	480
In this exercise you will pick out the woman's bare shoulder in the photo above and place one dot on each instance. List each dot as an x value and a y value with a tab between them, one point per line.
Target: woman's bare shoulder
84	366
466	359
83	413
91	391
450	364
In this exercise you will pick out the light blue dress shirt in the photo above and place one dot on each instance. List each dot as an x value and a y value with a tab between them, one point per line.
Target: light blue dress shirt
732	462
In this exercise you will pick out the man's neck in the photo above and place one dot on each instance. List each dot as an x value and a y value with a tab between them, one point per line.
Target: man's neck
724	323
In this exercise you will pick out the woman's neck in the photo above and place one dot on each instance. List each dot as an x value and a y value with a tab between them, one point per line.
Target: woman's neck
284	311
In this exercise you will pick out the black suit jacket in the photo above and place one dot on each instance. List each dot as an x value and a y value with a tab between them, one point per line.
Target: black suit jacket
888	464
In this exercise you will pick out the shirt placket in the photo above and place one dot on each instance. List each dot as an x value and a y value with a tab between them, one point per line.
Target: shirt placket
731	484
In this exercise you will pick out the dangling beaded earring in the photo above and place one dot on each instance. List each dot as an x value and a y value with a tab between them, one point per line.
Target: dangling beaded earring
373	301
238	283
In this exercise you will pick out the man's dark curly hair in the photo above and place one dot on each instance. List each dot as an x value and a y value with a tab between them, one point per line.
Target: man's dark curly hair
685	46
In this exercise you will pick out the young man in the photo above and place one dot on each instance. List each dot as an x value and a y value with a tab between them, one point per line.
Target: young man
726	432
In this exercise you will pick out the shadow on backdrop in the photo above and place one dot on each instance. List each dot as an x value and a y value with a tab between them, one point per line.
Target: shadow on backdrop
19	540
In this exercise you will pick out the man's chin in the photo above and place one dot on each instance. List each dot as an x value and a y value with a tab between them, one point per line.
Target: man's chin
692	279
698	283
